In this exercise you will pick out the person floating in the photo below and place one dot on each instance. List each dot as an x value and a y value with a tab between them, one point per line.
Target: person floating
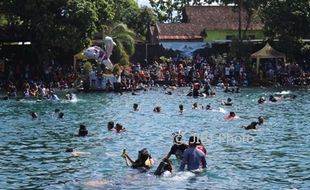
83	132
143	163
193	157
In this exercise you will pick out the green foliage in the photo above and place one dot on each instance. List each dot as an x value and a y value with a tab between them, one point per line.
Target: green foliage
171	10
116	69
288	21
88	68
57	27
125	43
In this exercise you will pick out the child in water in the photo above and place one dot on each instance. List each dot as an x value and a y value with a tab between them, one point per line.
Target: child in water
164	168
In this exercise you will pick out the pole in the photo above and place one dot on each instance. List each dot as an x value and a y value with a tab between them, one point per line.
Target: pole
146	51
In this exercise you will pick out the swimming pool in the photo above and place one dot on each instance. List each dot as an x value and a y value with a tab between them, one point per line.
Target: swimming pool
276	156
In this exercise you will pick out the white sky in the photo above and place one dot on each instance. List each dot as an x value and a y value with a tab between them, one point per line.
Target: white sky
147	3
143	2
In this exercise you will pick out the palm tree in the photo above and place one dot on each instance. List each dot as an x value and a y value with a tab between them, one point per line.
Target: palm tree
125	42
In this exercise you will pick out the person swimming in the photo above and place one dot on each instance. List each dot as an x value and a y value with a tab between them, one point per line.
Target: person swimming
157	109
143	163
181	108
135	107
261	100
83	132
195	106
254	124
228	102
119	128
111	126
231	116
61	115
208	107
34	115
76	153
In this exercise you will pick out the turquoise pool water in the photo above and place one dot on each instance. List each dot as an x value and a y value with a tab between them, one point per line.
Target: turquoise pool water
277	156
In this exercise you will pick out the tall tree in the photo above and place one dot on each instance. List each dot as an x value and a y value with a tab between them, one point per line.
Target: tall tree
288	21
125	43
57	26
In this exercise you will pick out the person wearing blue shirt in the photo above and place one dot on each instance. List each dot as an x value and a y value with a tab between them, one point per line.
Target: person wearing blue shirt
193	157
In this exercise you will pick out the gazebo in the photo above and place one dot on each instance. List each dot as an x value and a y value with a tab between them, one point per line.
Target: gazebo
267	52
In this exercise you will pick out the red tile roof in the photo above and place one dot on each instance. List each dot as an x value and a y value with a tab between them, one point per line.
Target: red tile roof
179	31
200	18
219	18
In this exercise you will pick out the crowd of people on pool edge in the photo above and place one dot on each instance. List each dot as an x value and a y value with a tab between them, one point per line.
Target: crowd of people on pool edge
192	154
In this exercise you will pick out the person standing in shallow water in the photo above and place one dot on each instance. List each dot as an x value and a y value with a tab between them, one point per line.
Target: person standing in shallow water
181	108
83	132
135	107
193	157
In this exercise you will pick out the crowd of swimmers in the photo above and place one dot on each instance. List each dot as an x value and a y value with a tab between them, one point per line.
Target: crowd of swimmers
192	155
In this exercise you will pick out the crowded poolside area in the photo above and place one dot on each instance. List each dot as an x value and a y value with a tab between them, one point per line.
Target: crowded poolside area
273	156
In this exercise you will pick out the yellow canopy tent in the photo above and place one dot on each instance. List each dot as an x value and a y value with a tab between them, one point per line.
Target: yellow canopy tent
78	56
267	52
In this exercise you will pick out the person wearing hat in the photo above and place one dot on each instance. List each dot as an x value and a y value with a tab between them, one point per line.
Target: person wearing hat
193	157
178	147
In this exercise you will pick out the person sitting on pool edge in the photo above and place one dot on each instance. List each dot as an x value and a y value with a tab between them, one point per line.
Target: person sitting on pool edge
119	128
228	102
178	147
143	163
193	157
83	132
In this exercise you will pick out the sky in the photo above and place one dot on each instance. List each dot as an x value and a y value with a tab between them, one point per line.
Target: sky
144	2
